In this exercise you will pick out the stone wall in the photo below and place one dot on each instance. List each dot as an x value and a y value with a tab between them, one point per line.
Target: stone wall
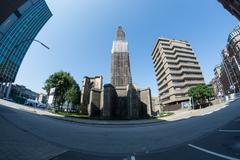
146	99
172	107
109	101
120	111
85	95
89	83
122	102
120	69
94	105
156	106
121	91
134	103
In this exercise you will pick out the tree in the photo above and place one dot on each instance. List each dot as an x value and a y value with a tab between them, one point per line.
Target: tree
200	93
63	82
72	96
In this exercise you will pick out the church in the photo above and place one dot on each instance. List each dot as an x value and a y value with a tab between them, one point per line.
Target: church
121	99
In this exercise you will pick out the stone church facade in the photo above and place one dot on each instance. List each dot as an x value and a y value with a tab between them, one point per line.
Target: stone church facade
121	99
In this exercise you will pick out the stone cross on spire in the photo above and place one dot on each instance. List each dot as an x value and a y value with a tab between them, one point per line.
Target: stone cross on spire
120	33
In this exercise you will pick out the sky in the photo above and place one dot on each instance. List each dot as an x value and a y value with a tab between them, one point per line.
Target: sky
81	32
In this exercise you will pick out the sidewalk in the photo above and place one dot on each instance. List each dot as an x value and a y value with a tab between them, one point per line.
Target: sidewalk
26	108
178	115
185	114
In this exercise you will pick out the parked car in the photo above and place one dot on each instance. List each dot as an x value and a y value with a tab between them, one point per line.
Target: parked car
8	99
30	102
41	105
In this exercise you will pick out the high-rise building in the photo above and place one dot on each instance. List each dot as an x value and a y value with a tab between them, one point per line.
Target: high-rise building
231	71
20	22
231	62
233	6
217	83
177	70
120	69
227	75
233	47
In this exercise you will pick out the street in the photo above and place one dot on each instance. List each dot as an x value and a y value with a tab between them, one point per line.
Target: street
26	136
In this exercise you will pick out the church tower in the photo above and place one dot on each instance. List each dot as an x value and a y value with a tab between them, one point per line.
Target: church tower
120	68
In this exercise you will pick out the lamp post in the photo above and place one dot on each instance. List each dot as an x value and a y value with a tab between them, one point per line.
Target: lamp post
4	66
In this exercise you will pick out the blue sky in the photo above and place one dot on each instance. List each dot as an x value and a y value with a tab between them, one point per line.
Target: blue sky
81	32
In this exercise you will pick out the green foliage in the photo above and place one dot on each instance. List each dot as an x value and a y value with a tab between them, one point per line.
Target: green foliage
73	95
74	115
16	96
200	93
67	89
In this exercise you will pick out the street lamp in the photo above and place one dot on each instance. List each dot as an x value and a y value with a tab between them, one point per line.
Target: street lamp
13	51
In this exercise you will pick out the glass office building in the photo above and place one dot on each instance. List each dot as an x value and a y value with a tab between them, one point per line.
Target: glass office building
20	22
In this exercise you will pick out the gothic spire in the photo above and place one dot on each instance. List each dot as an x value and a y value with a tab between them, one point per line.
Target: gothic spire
120	33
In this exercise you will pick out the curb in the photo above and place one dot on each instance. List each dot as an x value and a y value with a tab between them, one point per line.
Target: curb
121	123
104	123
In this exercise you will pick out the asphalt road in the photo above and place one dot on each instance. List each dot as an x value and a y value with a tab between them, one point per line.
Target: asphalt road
29	136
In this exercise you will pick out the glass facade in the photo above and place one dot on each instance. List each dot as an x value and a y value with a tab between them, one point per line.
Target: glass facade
17	32
8	7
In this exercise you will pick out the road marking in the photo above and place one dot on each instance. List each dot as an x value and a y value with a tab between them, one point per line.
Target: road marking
130	158
230	131
213	153
133	158
207	113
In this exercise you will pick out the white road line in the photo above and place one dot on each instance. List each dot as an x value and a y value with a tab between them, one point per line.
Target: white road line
229	131
213	153
207	113
133	158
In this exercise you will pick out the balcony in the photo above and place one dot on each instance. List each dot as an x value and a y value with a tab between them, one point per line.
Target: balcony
187	76
183	64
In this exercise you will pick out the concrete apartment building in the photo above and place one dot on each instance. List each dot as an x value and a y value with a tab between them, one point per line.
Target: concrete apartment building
177	70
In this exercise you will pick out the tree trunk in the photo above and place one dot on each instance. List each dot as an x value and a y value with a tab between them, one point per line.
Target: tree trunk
201	102
67	106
